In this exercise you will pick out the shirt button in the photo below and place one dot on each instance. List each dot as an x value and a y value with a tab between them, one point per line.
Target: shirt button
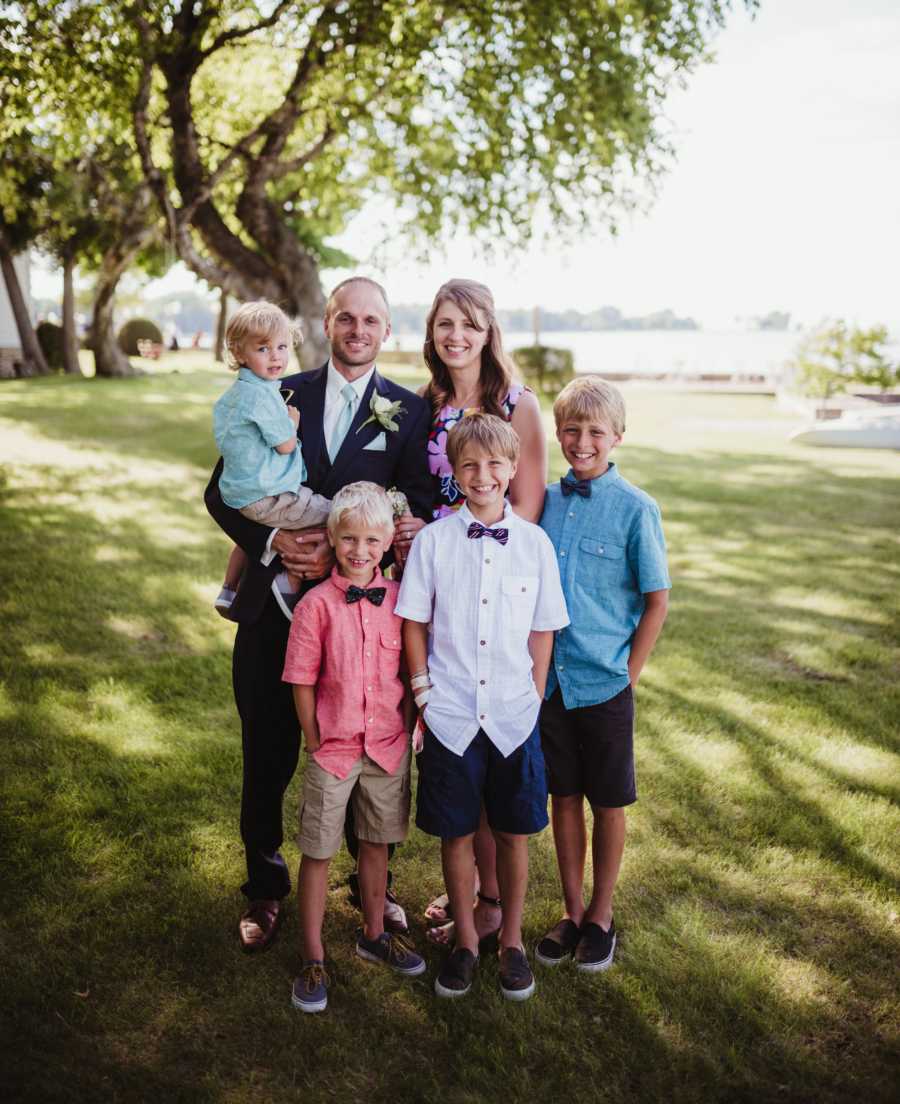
601	547
369	654
560	668
524	589
481	716
487	560
371	719
482	682
484	601
571	514
482	642
369	688
563	552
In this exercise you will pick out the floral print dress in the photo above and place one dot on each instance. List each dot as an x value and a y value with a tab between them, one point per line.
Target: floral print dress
447	495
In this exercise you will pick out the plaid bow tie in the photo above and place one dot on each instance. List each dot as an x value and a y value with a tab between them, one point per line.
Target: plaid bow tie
569	486
374	594
476	529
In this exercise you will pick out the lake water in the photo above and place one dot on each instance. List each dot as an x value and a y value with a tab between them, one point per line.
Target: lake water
647	352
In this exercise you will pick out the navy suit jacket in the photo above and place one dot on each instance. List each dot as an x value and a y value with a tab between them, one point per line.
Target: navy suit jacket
402	464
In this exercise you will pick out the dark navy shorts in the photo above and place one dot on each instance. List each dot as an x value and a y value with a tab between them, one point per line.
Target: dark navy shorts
590	750
452	788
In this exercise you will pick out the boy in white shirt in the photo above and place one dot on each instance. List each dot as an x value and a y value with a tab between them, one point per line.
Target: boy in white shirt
488	584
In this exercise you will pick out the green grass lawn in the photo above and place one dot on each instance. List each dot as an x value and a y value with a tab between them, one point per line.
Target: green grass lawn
758	903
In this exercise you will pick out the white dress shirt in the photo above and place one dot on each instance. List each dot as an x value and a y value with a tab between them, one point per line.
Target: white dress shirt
482	598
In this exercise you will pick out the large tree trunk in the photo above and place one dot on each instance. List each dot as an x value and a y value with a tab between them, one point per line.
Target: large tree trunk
136	232
33	360
280	268
220	326
109	360
70	337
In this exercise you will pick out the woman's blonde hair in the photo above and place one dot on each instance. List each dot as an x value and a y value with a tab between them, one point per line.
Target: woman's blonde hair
497	369
259	320
364	502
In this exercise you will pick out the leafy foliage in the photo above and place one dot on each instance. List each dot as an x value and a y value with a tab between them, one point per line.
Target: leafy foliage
545	368
50	338
837	355
137	330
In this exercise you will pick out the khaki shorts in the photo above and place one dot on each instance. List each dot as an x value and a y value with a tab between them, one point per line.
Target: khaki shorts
289	510
380	806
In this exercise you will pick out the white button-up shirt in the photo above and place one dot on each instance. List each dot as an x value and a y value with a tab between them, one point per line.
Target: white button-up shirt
482	598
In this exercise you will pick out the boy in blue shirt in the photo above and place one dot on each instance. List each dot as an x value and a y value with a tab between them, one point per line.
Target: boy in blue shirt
256	432
612	561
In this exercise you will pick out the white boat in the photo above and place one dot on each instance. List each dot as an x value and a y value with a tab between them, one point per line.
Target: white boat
854	429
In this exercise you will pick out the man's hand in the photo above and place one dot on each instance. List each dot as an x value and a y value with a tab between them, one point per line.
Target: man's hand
294	415
305	553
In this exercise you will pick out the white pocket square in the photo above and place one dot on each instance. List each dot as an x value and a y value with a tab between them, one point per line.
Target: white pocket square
377	444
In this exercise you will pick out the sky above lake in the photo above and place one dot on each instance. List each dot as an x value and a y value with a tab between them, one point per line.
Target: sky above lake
783	196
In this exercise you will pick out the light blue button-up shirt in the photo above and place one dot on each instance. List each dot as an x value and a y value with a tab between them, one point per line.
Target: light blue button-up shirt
249	420
611	551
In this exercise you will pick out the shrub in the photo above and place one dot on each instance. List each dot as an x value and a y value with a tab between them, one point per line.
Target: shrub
50	339
545	369
135	330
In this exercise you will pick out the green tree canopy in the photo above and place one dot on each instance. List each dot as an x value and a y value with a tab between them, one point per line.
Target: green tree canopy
263	126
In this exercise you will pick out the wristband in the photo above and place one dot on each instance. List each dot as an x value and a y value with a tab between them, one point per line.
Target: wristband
421	697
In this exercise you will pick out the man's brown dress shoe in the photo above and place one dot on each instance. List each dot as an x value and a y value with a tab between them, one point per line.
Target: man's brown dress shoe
259	925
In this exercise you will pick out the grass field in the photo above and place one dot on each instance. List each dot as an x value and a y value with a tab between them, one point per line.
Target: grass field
758	904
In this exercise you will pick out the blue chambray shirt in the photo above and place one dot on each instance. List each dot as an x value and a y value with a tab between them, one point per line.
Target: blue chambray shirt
249	420
611	551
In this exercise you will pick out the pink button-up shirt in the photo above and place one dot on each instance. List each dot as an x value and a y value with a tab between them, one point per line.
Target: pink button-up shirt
351	654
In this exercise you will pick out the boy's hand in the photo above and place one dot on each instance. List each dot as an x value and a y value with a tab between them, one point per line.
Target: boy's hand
418	734
294	415
313	743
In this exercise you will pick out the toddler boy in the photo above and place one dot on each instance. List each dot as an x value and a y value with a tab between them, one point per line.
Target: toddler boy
612	559
343	659
256	432
487	582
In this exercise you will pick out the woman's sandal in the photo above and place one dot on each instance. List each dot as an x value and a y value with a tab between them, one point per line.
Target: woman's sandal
441	935
438	912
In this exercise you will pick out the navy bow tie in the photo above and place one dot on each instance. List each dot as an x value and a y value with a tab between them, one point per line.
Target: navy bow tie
569	486
476	529
374	594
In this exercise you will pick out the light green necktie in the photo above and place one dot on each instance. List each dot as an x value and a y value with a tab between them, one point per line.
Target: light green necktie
348	394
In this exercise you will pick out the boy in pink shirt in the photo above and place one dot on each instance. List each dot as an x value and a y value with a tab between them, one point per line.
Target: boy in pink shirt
343	659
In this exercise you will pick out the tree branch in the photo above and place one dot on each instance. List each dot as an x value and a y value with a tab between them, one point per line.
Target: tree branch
243	32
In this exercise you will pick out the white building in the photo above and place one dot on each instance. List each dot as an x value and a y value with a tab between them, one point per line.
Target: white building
10	346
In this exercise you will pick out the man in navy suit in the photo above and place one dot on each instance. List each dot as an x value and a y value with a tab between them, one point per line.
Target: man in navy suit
335	402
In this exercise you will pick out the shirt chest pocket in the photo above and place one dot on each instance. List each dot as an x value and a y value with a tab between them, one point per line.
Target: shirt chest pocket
389	654
600	561
518	598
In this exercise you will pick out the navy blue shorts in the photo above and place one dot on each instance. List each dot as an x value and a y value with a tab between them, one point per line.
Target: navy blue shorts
590	750
452	788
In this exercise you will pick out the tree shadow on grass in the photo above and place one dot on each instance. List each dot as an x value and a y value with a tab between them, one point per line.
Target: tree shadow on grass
146	417
121	776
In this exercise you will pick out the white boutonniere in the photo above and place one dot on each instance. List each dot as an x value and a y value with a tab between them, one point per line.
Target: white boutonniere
383	411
